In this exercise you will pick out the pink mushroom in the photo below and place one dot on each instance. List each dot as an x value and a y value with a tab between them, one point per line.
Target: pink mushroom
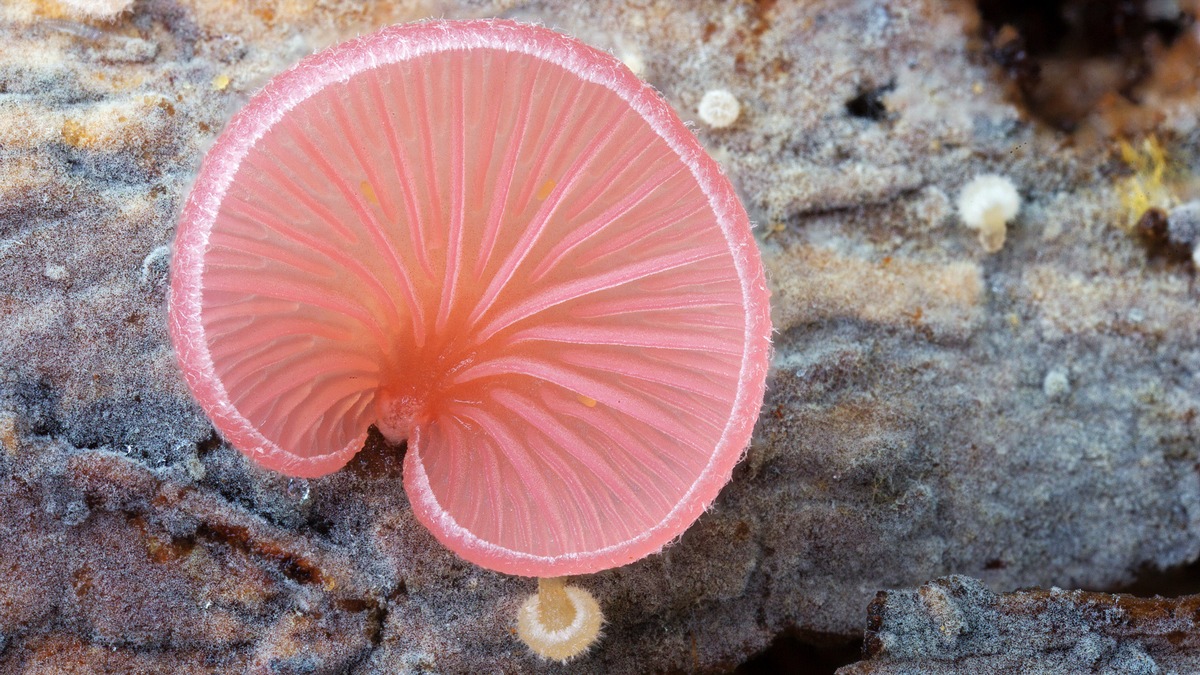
497	243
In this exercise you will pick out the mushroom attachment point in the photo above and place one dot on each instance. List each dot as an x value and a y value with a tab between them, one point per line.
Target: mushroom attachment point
559	622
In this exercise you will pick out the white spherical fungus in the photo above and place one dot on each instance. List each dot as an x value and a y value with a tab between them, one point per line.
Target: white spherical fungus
987	204
719	108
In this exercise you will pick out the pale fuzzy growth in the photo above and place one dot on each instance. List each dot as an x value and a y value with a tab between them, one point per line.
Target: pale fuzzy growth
107	10
987	204
55	272
719	108
559	622
1057	383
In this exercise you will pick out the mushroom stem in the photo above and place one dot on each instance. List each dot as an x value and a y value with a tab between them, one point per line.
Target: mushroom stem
559	622
554	607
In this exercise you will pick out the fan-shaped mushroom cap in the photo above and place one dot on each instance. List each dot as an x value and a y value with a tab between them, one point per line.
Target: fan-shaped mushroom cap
497	242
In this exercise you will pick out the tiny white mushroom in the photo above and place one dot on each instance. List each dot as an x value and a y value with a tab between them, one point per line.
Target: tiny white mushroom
631	57
1057	383
987	204
719	108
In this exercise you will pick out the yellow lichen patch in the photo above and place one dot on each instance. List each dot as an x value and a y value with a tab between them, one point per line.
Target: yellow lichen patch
1151	185
587	400
220	82
368	192
545	189
815	284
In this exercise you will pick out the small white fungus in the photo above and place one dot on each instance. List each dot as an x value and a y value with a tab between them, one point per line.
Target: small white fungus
719	108
55	272
633	60
1057	383
987	204
630	54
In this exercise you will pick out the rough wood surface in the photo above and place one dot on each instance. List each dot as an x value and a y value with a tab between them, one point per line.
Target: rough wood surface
1029	418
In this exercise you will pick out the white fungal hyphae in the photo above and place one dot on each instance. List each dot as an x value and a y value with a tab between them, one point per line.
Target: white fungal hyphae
55	272
559	622
719	108
987	204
